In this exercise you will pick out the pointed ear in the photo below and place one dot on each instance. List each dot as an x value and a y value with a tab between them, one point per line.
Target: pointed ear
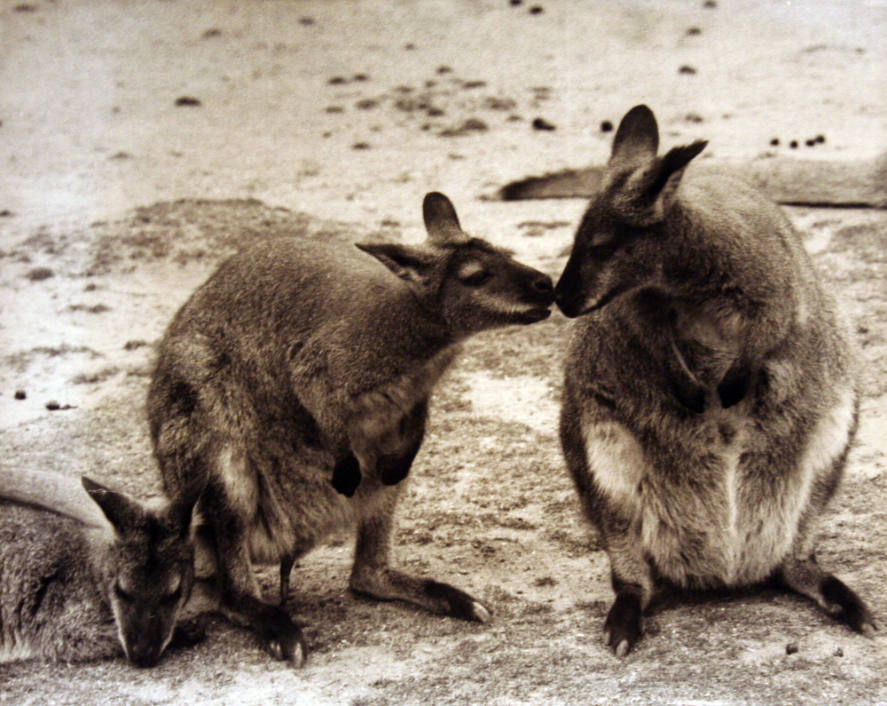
441	220
122	511
409	263
664	179
637	138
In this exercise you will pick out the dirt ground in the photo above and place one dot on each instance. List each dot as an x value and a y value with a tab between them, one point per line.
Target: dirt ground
141	142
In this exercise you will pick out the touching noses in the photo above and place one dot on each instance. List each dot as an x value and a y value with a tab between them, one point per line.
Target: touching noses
545	287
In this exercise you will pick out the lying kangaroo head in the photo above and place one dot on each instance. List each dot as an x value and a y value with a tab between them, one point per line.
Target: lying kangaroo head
470	283
148	569
619	241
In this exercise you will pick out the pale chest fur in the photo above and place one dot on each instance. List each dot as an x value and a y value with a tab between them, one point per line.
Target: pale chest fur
726	516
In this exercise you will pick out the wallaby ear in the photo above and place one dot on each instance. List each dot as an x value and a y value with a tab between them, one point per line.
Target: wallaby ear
637	138
122	511
665	177
409	263
441	220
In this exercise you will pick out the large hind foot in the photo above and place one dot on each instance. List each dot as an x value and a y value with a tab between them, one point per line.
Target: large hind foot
830	593
624	624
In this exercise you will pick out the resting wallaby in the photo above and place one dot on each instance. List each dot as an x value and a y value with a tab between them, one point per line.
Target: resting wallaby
298	356
78	584
709	397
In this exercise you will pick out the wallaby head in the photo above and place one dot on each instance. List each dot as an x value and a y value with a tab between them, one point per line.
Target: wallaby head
618	244
148	568
471	284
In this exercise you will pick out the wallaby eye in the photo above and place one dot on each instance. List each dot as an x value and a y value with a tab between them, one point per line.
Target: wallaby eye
473	274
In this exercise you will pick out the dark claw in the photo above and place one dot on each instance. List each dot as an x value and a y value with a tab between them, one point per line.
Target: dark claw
848	608
458	603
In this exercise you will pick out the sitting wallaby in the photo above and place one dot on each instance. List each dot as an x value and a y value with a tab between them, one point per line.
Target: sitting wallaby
297	357
79	584
710	397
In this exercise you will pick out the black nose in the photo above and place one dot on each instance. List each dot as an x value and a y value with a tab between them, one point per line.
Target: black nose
544	285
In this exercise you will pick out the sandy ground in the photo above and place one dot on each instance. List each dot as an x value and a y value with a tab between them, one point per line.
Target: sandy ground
333	119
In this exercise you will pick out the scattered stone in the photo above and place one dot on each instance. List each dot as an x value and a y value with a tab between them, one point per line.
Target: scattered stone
793	144
709	4
360	146
514	118
366	104
693	118
91	287
470	125
693	31
493	103
820	139
360	77
5	213
25	8
337	81
334	109
133	345
306	21
435	112
810	143
121	155
188	101
606	126
444	70
39	273
838	652
20	395
537	10
515	3
542	124
687	69
52	405
213	32
774	142
409	46
791	648
474	84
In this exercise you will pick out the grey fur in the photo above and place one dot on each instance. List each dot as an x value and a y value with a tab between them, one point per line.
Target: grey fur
298	356
78	586
709	397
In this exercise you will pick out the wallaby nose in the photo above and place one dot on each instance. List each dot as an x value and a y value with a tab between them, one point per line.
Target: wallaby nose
545	286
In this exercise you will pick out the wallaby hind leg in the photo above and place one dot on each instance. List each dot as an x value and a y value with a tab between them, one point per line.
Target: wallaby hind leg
222	507
372	576
829	592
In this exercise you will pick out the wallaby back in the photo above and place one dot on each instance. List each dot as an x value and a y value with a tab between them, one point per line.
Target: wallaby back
710	394
79	585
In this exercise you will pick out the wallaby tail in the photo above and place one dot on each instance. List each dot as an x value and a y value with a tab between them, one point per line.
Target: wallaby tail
63	495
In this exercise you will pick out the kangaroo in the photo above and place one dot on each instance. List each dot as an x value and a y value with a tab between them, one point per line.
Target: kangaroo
79	584
709	397
296	381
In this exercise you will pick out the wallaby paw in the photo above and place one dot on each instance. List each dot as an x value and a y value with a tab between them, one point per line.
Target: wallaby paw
845	606
456	603
288	646
624	624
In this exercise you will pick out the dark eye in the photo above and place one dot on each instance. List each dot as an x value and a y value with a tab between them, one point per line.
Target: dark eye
172	597
477	278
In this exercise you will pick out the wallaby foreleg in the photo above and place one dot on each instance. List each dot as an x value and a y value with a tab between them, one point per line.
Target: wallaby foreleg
633	583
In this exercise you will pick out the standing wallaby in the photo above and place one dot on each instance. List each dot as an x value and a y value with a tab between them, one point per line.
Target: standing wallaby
710	396
299	357
77	584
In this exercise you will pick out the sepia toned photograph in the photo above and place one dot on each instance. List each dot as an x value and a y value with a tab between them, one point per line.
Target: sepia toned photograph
429	352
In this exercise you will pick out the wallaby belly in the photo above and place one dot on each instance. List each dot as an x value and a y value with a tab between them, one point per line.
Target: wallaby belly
722	504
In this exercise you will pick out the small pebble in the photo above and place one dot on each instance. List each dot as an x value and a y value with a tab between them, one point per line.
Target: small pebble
40	273
409	46
820	139
810	143
306	21
774	142
693	31
360	146
693	118
52	405
537	10
336	81
709	4
515	3
20	395
791	648
793	144
444	70
187	101
210	33
361	77
542	124
839	652
686	69
606	126
5	213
